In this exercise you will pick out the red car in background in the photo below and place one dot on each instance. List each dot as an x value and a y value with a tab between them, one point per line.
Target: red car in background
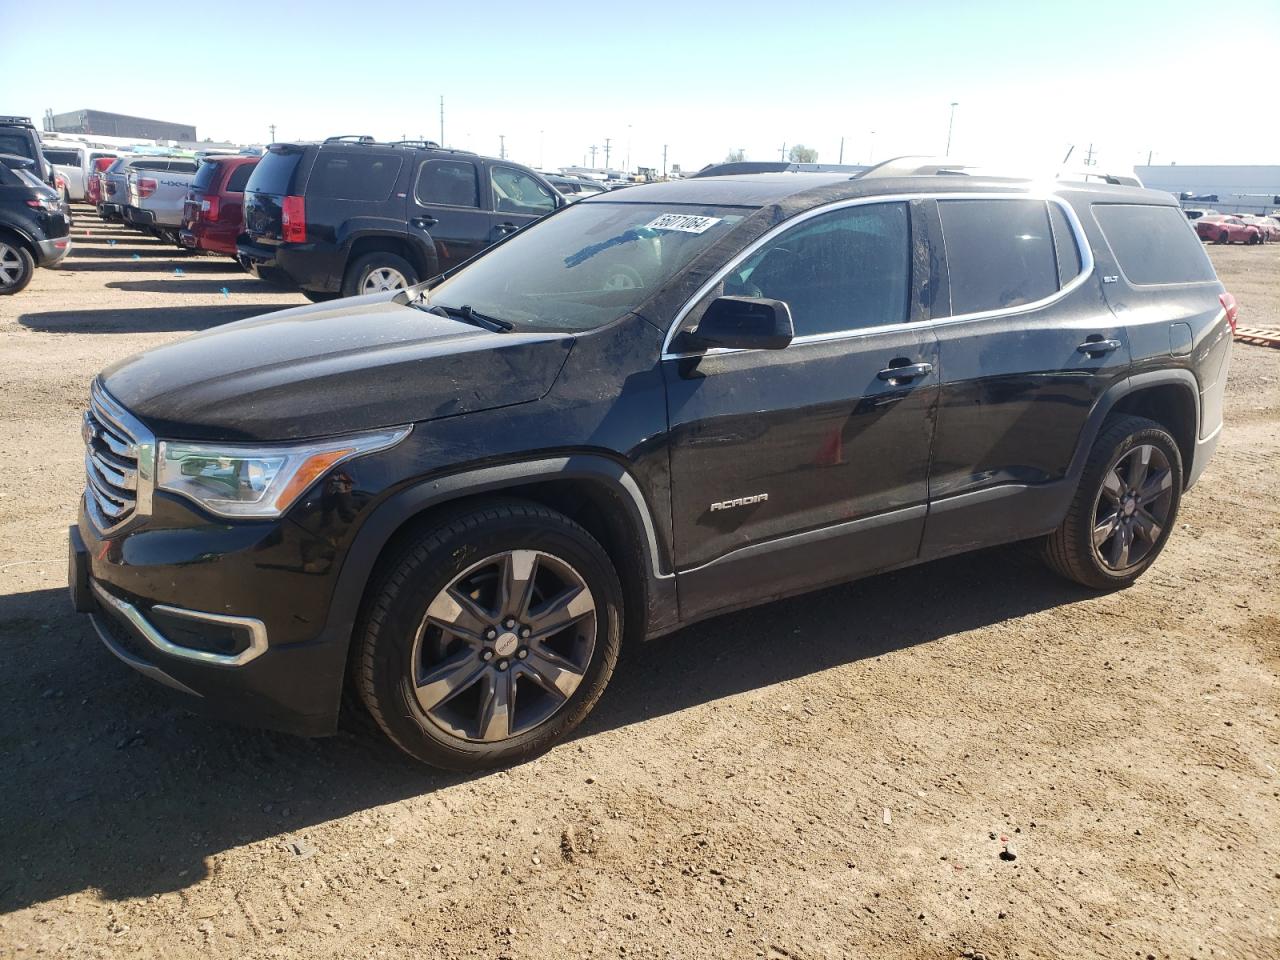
93	186
1267	226
1220	228
214	209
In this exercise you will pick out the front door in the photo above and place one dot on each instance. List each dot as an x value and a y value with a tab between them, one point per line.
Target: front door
807	465
446	212
518	199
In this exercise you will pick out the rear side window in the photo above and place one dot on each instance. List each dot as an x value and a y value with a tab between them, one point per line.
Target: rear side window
274	173
838	271
239	177
448	182
1064	245
354	176
1000	253
205	176
1153	244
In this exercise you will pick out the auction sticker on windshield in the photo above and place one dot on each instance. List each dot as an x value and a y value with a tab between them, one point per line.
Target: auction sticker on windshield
685	223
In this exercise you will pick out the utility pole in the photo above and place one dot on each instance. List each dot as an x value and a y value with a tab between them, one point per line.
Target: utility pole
664	161
502	147
950	125
1149	154
442	119
593	156
1088	157
607	141
841	160
272	128
782	153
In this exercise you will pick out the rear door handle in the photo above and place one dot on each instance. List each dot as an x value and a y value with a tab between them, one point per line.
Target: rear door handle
1099	347
906	371
424	222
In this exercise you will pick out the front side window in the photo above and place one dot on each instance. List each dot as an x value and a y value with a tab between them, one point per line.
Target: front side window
354	176
1000	253
517	192
589	264
839	271
451	183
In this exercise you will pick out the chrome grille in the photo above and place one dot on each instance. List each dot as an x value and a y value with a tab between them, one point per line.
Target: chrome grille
118	458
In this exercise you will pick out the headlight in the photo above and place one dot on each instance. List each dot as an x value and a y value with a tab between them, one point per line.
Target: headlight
242	481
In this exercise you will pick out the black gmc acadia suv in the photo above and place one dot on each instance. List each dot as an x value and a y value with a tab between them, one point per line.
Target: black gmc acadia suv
653	406
351	216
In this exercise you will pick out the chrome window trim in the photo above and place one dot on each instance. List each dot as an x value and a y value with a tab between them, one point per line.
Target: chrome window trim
257	631
1077	228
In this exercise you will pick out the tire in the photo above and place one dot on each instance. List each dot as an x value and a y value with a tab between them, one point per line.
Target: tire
361	275
1123	443
1224	237
320	296
399	644
17	266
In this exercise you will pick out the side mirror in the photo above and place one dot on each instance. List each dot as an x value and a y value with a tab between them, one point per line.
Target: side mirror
742	323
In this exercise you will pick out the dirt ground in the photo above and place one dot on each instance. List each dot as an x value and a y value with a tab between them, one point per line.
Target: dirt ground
831	776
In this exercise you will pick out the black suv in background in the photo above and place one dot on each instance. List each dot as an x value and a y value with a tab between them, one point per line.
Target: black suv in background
19	138
648	408
351	216
34	224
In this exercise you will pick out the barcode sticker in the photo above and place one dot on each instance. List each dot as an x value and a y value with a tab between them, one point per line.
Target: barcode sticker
685	223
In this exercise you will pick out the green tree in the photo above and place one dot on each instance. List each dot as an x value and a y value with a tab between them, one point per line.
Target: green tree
736	156
802	154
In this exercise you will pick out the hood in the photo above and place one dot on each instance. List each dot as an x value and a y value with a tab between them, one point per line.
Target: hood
340	367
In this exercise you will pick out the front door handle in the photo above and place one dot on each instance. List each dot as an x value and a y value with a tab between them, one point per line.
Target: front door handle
506	228
424	222
1096	348
905	372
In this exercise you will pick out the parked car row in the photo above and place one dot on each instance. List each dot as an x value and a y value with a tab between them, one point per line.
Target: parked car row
1221	228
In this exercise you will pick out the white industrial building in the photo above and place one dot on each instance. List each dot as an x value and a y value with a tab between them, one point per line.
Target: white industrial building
1239	189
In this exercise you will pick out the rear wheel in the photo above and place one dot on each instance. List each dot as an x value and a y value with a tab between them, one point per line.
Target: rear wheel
377	272
1124	508
1224	237
489	637
17	266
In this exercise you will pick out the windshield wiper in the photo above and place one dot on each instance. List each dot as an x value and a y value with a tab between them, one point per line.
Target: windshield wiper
467	315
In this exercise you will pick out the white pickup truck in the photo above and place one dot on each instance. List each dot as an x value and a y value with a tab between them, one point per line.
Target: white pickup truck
154	199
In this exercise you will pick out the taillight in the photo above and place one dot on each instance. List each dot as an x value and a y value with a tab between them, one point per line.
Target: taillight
293	220
209	208
1231	307
146	187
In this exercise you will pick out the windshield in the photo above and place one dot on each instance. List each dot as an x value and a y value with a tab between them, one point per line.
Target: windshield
587	265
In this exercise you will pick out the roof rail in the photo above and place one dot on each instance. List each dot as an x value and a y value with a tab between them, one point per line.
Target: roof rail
424	144
22	121
917	167
352	137
1093	175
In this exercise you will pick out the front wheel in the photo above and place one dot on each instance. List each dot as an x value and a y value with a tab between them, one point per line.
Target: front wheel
376	272
17	266
1224	237
1124	508
489	637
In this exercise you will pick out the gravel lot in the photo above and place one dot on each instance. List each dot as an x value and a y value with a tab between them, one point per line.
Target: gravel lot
831	776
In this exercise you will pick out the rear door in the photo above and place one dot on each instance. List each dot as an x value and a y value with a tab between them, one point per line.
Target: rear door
446	210
1029	348
278	175
518	199
807	465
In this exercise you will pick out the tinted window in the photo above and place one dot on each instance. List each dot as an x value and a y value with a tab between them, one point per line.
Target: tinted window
448	182
274	173
1064	244
516	192
16	143
999	252
182	166
839	271
205	176
239	177
149	165
68	158
1153	244
354	176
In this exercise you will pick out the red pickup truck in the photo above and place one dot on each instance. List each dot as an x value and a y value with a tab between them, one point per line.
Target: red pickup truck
214	209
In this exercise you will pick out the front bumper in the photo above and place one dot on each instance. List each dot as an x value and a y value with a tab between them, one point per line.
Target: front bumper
284	669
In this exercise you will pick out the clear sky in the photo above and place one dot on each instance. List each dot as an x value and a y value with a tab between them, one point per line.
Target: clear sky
1031	78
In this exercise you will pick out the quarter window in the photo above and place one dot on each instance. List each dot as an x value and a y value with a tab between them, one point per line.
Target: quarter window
1000	253
1153	244
451	183
838	271
350	176
239	177
516	192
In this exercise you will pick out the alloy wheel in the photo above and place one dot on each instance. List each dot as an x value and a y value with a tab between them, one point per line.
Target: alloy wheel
10	266
1132	507
504	646
384	278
